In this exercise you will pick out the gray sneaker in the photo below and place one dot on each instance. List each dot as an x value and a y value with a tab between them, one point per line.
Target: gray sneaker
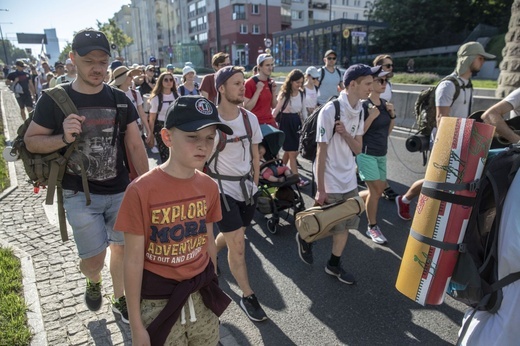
341	274
93	297
119	307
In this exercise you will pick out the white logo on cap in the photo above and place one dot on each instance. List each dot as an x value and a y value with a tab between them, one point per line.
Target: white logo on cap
204	107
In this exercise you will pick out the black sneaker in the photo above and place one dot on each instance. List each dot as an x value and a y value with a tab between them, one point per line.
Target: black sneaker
119	307
341	274
389	194
93	297
304	250
252	308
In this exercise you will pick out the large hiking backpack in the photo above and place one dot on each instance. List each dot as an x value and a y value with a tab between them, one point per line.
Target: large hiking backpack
424	109
475	278
47	170
213	160
308	145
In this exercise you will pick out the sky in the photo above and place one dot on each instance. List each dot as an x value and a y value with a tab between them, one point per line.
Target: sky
67	17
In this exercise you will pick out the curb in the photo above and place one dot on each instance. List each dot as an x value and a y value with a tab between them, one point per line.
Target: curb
12	171
30	292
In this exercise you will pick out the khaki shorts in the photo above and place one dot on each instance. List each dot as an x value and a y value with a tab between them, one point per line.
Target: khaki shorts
343	226
204	331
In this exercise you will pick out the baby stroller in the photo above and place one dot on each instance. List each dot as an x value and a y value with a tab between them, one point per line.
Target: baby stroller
277	196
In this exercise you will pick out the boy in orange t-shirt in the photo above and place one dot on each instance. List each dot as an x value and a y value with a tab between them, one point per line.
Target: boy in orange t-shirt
167	215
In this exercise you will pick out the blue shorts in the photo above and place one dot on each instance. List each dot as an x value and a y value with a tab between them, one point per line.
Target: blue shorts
93	225
371	168
239	214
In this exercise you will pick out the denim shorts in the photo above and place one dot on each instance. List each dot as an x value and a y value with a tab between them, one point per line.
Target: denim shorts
93	225
343	226
371	167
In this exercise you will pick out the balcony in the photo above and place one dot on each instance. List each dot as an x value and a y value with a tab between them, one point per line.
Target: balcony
318	5
239	16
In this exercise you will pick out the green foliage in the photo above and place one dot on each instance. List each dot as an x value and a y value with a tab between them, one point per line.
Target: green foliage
13	53
4	176
13	319
115	35
495	46
433	78
416	24
64	55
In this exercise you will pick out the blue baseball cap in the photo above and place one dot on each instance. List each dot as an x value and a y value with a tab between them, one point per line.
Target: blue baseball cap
359	70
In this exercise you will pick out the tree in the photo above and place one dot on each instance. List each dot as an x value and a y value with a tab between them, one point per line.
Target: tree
11	52
64	55
509	78
416	24
115	35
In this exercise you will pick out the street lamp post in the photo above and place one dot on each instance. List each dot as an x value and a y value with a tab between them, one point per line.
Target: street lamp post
169	30
217	22
266	18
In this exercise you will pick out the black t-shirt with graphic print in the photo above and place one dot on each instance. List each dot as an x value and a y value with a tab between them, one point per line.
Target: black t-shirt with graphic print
103	162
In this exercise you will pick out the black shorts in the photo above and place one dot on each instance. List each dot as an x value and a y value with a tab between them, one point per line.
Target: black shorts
239	214
25	100
290	124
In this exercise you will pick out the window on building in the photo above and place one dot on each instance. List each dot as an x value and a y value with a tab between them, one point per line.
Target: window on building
239	12
356	16
297	15
255	9
255	29
243	28
192	10
345	15
357	3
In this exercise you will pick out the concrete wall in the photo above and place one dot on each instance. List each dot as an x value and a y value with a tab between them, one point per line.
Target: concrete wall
404	102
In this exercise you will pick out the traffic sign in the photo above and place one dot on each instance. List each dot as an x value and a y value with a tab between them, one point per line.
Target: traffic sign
346	33
267	42
359	34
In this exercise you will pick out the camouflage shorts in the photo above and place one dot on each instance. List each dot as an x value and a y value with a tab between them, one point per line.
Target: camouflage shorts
204	331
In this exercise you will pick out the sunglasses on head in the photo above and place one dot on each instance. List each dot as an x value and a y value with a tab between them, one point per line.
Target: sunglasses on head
388	65
331	58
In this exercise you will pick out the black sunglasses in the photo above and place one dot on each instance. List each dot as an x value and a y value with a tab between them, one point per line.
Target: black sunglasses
331	58
388	65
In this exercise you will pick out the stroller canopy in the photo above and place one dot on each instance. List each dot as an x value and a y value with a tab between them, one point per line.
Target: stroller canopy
273	140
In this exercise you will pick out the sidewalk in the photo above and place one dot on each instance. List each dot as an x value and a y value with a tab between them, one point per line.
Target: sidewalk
58	284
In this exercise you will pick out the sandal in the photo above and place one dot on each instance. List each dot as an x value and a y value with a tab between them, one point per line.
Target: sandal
303	182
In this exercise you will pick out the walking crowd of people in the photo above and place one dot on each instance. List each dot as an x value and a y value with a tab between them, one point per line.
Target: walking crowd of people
166	226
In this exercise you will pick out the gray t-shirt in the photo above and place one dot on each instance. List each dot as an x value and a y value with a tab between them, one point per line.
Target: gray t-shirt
329	85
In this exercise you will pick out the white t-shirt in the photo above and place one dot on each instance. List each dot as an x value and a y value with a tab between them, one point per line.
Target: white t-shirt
138	100
311	97
514	100
235	160
295	106
444	98
154	105
340	165
503	327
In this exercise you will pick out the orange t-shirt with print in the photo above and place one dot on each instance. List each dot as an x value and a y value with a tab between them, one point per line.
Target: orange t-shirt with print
172	215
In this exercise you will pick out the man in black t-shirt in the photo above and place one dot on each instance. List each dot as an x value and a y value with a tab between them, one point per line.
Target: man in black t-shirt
93	128
25	94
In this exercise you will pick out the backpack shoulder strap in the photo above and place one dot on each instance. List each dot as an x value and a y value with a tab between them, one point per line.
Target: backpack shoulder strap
322	76
339	74
59	95
247	123
182	89
455	81
159	107
134	95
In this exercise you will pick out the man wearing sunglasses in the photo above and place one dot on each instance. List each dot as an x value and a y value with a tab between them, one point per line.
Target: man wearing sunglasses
331	80
107	178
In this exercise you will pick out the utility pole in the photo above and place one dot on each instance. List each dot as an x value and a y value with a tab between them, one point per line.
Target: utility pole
169	30
2	37
217	22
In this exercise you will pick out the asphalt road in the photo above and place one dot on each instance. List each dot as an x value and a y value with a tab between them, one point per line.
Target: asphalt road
308	307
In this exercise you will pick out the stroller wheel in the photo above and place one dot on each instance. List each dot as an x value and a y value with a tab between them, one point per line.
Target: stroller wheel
272	226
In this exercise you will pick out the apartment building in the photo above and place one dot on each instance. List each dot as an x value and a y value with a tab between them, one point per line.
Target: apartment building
177	31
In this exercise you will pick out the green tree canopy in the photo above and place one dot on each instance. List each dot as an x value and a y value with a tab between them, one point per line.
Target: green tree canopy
416	24
64	55
115	35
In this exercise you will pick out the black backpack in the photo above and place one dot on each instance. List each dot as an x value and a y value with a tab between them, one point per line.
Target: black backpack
475	278
424	109
308	145
322	74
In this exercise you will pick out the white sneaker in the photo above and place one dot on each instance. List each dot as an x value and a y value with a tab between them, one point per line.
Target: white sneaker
376	235
155	150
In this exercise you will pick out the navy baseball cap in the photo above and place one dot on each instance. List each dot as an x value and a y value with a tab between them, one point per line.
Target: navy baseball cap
193	113
222	75
85	41
359	70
